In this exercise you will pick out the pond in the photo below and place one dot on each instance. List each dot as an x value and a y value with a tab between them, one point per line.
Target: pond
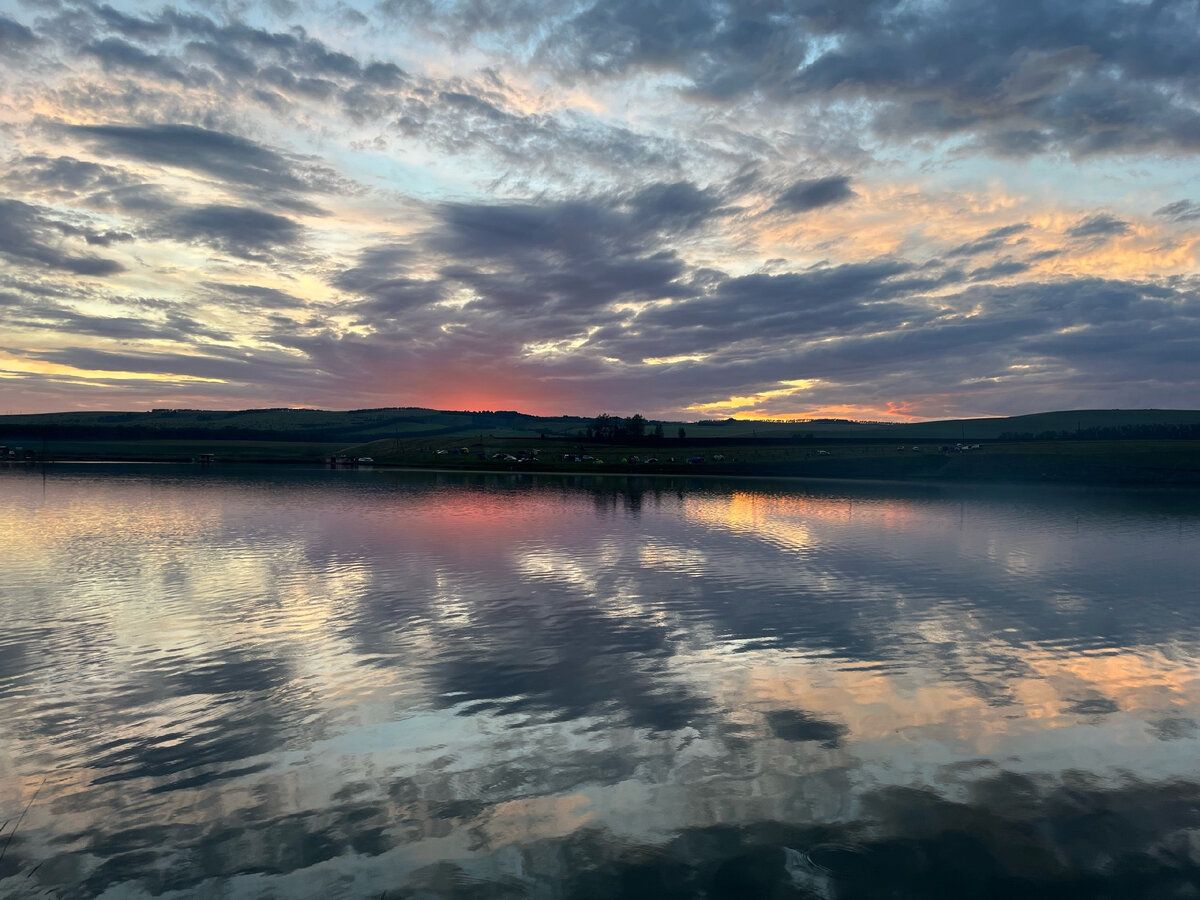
291	683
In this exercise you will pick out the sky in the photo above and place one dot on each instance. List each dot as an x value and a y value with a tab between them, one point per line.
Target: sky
684	208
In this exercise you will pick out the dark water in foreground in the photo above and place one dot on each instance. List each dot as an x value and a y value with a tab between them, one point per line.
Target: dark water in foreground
264	683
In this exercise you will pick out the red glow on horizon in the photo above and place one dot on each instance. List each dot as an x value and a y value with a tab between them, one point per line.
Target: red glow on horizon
892	412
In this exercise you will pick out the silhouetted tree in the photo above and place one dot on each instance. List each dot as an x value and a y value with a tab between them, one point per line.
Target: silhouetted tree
635	425
682	433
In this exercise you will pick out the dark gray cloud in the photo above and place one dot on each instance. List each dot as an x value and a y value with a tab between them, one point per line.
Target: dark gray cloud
287	82
568	262
133	27
992	240
381	274
743	310
577	228
293	47
230	62
114	53
283	181
175	326
1021	324
141	201
251	296
1002	269
155	215
225	156
64	177
723	50
1100	225
384	74
394	297
1024	78
14	36
193	48
676	207
34	236
1180	211
572	228
809	194
237	230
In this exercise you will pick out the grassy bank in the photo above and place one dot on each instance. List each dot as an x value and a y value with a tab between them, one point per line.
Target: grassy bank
1130	462
1073	462
181	450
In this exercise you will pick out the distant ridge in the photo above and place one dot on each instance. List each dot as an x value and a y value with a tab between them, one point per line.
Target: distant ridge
1061	422
363	425
276	424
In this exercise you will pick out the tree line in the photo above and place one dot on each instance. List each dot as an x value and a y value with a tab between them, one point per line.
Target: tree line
606	427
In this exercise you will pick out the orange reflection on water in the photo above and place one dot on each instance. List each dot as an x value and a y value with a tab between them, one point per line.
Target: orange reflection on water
771	517
128	513
785	519
1059	690
536	818
1137	679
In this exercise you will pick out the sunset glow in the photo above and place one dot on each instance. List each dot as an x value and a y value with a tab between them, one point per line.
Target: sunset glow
876	210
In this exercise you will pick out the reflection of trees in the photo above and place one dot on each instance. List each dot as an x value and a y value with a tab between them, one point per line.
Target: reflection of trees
611	494
1015	837
1010	835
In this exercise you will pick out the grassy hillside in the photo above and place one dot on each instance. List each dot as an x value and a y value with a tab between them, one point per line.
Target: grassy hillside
183	450
952	429
1074	462
1065	422
1090	446
362	425
274	424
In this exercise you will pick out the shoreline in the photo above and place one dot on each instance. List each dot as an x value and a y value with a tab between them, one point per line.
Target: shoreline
1007	468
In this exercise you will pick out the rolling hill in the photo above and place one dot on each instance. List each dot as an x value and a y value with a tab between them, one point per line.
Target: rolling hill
361	426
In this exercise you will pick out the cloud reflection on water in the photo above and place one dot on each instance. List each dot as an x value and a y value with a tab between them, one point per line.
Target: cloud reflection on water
491	685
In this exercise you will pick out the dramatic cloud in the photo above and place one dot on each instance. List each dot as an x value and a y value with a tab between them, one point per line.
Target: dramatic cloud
236	230
780	208
1025	78
1101	225
31	235
811	194
14	36
1180	211
992	240
224	156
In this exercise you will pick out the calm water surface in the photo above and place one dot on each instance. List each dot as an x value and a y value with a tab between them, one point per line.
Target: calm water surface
276	683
